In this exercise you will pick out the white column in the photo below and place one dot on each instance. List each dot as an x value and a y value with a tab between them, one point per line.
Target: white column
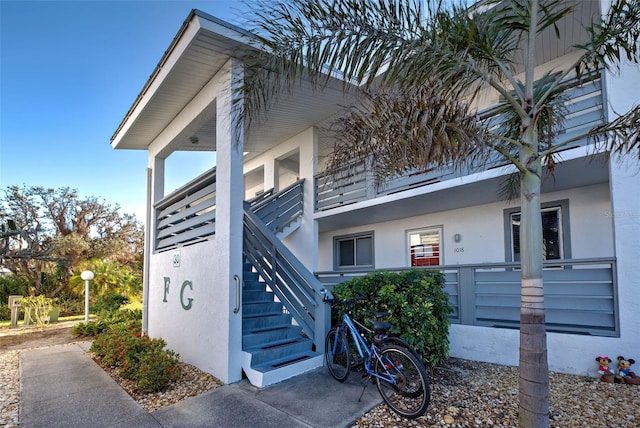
624	181
155	192
229	212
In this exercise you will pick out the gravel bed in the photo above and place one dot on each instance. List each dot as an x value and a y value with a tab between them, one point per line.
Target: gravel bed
9	388
475	394
464	394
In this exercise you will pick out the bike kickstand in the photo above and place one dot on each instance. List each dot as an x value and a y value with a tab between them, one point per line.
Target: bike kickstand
366	383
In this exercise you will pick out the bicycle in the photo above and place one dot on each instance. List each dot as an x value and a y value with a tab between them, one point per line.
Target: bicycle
399	373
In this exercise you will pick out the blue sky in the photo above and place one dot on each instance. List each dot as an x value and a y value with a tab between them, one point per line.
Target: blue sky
69	71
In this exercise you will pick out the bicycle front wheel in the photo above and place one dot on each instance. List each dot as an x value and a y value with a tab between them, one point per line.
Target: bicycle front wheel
337	354
402	381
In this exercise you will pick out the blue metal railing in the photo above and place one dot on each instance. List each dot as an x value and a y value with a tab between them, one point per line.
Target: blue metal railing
584	111
286	276
580	294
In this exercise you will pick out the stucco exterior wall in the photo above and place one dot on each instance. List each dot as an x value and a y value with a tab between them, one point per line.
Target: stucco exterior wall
186	314
482	231
622	94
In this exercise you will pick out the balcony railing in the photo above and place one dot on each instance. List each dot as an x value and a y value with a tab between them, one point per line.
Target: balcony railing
585	110
580	295
188	215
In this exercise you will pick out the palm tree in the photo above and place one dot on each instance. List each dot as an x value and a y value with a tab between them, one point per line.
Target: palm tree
417	68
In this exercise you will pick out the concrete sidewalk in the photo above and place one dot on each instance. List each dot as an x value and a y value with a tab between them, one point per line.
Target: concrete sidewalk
62	386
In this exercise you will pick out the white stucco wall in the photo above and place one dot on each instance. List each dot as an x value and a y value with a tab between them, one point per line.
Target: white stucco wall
207	334
482	231
623	93
199	333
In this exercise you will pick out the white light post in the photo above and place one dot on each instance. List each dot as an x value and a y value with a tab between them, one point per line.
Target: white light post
87	275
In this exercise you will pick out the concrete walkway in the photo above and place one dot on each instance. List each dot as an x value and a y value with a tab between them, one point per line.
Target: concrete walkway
63	387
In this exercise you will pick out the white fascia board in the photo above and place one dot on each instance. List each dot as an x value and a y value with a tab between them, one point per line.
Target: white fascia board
161	73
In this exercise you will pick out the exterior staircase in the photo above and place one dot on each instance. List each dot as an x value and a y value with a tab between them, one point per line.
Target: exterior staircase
279	302
275	347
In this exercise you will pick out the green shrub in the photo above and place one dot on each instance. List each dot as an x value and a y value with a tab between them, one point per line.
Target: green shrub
70	306
11	285
137	357
416	303
91	328
110	302
5	313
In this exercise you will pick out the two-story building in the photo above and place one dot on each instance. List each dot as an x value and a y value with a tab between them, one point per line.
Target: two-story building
236	259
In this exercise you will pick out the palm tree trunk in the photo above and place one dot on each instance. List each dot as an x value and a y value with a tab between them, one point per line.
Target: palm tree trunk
534	373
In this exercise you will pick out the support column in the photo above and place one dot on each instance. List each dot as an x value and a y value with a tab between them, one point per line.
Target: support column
624	182
229	210
155	192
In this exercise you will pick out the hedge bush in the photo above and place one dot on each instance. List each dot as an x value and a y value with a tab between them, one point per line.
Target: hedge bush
137	357
416	303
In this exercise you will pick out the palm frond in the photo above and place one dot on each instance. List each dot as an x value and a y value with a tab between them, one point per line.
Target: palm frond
620	136
612	39
396	130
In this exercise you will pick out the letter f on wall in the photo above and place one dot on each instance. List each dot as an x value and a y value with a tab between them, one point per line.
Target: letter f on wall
167	281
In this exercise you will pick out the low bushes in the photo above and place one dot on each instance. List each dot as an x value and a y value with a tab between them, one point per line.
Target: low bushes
118	344
137	357
416	303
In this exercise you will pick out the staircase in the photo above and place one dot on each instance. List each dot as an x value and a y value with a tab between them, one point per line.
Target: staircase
275	347
281	304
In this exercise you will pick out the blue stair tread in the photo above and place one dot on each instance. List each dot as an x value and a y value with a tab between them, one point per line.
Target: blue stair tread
277	343
258	329
261	314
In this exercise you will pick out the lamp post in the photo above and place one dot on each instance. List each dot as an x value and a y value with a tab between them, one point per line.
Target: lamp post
87	275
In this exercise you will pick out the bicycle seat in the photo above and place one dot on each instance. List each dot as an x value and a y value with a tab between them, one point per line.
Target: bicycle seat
380	325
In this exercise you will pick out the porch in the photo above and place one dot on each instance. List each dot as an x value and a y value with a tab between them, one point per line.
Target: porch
581	296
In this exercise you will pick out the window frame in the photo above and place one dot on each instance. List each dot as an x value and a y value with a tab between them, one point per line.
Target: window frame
353	236
565	233
439	229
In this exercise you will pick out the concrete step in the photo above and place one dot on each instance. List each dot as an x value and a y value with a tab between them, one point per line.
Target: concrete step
277	353
266	337
269	322
267	374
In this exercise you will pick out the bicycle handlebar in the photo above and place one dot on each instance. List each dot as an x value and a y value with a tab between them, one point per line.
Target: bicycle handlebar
346	302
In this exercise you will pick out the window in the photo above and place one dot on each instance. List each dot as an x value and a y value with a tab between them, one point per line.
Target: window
425	247
353	251
555	232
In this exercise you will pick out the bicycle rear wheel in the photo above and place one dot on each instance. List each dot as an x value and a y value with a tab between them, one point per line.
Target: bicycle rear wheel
337	354
409	393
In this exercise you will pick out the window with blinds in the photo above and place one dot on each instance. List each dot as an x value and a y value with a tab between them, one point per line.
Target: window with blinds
552	248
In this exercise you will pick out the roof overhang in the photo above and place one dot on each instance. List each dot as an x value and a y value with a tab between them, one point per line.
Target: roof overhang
202	46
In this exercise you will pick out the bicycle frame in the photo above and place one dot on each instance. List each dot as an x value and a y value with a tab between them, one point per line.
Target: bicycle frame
367	352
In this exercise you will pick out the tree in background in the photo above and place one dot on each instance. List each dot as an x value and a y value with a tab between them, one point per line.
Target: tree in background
110	276
59	229
420	64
